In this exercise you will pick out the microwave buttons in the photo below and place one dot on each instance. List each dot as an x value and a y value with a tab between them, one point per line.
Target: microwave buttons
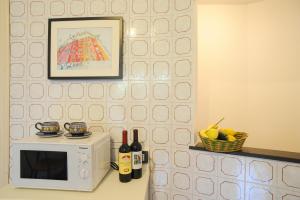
85	163
83	158
84	173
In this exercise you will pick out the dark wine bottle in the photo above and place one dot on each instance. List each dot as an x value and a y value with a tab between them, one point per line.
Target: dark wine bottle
136	156
124	160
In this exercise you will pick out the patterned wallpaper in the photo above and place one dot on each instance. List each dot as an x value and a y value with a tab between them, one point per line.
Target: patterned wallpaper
156	94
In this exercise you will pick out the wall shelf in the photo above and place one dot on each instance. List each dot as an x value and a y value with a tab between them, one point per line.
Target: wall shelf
260	153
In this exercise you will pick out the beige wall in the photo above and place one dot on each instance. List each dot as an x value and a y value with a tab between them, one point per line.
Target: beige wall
249	64
4	91
222	65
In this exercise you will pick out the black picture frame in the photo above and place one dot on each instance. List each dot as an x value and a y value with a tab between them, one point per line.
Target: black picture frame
119	40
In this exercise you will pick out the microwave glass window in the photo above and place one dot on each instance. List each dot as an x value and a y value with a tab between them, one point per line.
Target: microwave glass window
44	165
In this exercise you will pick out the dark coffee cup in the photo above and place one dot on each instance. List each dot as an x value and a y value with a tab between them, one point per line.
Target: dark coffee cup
76	128
47	127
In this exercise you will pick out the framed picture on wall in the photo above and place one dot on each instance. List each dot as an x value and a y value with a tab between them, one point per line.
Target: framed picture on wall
85	48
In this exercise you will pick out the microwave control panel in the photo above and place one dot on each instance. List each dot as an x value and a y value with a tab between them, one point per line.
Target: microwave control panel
84	162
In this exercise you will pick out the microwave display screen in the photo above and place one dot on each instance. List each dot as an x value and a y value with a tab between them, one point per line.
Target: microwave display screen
44	165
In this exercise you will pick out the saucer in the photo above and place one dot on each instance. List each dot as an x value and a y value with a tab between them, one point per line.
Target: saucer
85	135
49	135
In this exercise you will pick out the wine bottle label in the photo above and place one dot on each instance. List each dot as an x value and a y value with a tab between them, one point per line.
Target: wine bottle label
137	159
125	163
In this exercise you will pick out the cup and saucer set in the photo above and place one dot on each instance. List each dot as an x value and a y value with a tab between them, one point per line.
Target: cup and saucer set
48	129
76	130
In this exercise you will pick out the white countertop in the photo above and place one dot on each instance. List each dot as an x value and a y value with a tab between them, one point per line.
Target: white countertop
109	189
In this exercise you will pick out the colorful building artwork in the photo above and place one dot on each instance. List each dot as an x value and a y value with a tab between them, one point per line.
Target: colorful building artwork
81	48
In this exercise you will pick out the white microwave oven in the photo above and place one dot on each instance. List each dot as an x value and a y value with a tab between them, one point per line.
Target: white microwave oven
60	163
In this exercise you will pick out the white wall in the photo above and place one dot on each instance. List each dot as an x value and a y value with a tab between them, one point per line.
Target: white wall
249	70
4	90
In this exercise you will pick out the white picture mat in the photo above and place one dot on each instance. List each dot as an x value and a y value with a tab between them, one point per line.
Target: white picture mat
106	71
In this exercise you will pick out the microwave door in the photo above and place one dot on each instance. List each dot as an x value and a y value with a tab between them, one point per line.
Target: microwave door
43	165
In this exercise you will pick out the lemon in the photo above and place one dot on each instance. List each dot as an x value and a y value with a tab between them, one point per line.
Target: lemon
212	133
203	133
228	131
231	138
